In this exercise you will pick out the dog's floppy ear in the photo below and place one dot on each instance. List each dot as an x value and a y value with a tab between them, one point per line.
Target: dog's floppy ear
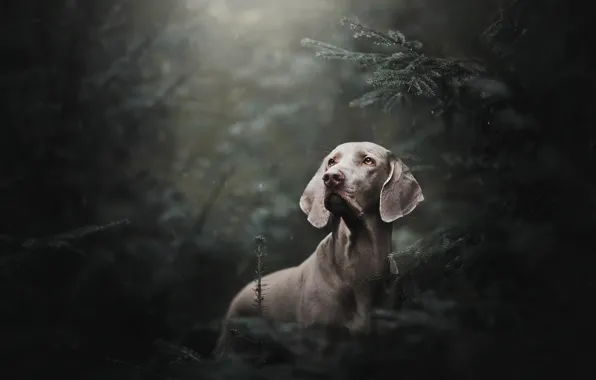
400	194
312	201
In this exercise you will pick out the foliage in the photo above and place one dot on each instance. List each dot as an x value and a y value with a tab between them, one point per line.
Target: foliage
403	73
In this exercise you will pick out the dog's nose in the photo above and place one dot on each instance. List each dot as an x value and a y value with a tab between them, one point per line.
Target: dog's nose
333	179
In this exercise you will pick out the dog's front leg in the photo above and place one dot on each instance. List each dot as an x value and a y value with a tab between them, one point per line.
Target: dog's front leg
361	321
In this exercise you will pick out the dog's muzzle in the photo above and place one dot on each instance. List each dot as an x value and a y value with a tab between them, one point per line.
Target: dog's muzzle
336	205
341	205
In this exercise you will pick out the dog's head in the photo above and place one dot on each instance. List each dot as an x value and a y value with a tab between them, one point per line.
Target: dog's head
358	179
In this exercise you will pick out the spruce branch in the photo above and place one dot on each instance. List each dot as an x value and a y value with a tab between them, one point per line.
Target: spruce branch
405	73
434	245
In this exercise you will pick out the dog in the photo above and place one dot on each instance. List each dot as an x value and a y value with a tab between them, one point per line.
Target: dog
359	190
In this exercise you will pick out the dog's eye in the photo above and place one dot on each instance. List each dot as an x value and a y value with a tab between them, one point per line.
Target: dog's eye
331	162
368	161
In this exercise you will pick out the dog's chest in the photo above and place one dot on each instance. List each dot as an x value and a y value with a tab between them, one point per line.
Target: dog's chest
362	270
346	300
342	305
331	307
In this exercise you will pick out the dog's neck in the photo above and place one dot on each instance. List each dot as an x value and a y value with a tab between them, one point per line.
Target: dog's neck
358	248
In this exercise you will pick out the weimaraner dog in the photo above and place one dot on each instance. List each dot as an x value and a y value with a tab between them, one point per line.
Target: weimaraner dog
359	190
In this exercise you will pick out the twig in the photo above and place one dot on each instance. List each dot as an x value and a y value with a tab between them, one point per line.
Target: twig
238	334
74	64
260	253
185	351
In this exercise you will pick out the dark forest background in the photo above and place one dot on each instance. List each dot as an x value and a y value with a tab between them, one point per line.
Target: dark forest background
145	144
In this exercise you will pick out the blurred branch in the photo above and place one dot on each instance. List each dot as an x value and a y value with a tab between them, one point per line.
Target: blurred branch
171	89
118	69
74	66
62	240
115	11
215	192
114	73
425	250
433	247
